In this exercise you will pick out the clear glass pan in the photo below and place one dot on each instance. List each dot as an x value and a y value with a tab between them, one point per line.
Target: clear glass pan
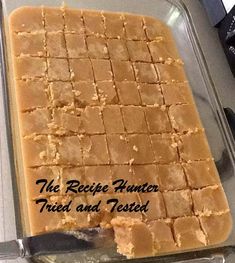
175	14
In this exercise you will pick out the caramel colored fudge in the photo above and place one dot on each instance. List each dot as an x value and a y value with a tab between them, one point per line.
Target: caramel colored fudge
76	46
156	207
165	148
69	150
53	19
161	50
188	232
92	120
73	21
53	49
118	149
122	70
171	177
179	118
113	24
170	72
35	122
162	236
128	93
134	119
176	93
141	149
209	200
70	173
102	69
61	93
20	22
92	146
54	221
109	132
145	72
100	174
134	27
151	94
133	237
128	198
155	29
75	218
218	222
65	121
117	49
36	178
33	94
149	171
30	67
97	47
85	94
107	92
93	23
29	43
122	172
178	203
113	120
81	70
39	151
194	146
194	170
143	52
157	120
58	71
103	216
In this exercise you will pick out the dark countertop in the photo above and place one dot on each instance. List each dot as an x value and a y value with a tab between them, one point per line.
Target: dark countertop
213	52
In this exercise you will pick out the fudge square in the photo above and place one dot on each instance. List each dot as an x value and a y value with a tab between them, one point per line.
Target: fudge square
162	235
178	203
54	221
104	96
133	237
209	200
188	232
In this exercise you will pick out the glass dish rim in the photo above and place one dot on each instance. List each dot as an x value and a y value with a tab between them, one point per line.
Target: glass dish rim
204	69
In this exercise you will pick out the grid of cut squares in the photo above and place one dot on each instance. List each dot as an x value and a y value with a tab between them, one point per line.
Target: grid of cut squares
107	99
81	34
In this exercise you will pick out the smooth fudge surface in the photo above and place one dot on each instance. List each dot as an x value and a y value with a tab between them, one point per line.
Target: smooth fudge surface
104	96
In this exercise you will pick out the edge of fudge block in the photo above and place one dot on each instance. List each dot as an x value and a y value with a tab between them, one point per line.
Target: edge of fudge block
44	221
133	237
20	13
163	237
195	170
188	233
217	227
184	118
194	146
209	200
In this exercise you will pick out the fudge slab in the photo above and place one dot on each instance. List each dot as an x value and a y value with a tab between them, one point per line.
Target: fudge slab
101	97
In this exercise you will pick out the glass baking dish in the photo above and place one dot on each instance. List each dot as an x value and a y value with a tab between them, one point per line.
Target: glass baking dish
175	14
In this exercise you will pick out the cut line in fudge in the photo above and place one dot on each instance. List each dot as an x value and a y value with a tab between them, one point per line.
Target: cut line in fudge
164	152
69	105
102	54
